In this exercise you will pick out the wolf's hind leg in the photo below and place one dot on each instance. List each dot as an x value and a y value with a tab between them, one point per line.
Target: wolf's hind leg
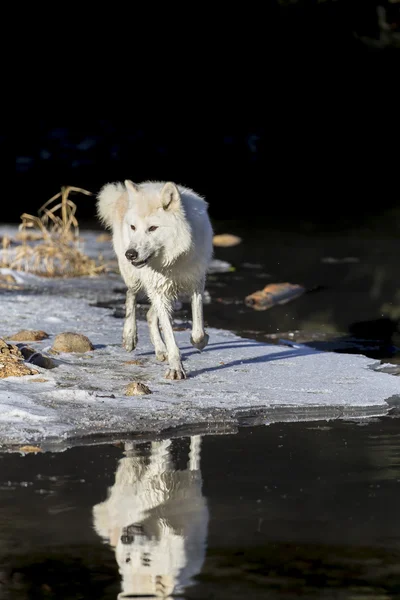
199	338
161	350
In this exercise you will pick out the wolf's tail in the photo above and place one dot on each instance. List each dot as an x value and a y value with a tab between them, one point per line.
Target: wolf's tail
106	201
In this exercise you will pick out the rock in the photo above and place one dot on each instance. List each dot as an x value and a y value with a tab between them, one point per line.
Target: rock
28	335
226	240
137	389
11	362
273	294
30	449
36	358
72	342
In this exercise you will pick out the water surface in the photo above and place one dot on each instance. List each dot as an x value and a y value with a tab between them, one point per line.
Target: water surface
285	511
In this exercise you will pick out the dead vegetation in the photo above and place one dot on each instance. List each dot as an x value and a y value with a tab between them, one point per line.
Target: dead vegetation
49	242
12	362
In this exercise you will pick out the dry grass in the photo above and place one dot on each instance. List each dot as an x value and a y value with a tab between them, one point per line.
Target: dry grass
50	241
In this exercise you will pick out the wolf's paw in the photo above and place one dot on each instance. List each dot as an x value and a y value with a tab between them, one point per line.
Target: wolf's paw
129	344
161	355
175	373
200	344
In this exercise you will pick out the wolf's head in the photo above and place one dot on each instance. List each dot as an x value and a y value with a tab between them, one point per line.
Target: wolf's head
148	221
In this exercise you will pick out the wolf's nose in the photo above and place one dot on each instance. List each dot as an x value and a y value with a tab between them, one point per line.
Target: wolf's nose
131	254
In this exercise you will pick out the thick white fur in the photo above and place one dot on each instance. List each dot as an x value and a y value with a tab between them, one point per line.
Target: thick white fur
174	257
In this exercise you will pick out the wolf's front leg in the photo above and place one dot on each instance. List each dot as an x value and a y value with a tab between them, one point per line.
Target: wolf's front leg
152	320
129	338
176	370
199	338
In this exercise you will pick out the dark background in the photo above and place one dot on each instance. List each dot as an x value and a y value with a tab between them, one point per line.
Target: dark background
288	115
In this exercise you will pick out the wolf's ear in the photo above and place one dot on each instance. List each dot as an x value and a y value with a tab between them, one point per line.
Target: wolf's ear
170	196
131	187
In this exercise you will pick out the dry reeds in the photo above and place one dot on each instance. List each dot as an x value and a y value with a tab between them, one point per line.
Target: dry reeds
50	241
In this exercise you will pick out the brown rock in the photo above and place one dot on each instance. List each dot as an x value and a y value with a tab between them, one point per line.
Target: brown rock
28	335
72	342
273	294
226	240
137	389
30	449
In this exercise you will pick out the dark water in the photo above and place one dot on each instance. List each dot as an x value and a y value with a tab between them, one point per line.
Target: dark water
285	511
352	280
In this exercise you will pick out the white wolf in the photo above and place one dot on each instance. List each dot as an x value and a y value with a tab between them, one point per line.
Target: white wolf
162	237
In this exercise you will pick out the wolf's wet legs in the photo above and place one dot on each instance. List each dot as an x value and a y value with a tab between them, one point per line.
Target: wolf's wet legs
129	337
199	338
164	310
161	350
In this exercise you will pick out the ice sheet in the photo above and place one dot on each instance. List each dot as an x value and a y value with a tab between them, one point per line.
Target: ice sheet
233	380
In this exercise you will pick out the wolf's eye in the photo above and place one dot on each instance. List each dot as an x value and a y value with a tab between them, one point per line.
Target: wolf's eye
152	228
133	228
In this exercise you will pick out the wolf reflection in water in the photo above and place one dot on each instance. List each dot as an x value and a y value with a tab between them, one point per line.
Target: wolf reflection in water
156	519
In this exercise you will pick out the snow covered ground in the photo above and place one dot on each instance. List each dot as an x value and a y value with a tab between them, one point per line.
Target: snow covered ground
234	380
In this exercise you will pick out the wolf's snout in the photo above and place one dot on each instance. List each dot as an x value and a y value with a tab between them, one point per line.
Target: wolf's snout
131	254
